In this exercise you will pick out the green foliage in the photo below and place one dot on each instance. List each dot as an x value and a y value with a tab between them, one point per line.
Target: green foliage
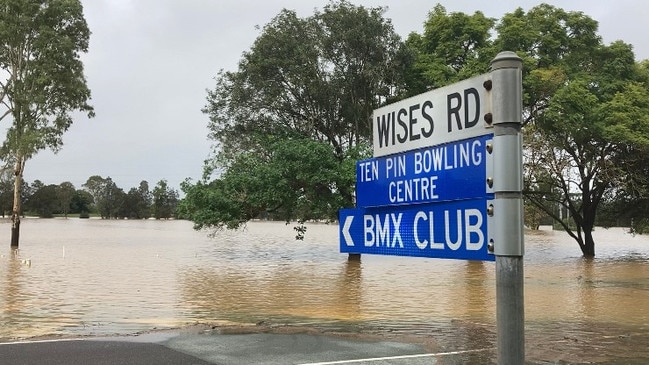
549	37
318	77
138	202
534	216
47	201
583	105
287	122
625	118
295	179
81	203
6	190
452	47
165	200
44	201
107	196
41	41
99	196
65	193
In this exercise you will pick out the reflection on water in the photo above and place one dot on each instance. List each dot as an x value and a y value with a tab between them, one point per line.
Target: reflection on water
80	277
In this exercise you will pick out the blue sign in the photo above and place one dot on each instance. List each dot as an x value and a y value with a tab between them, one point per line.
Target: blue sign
439	173
454	230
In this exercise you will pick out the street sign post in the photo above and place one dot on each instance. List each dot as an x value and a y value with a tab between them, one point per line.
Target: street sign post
507	83
452	171
431	191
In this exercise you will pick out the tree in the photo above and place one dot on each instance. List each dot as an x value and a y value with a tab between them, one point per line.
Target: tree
165	200
107	196
318	78
113	198
305	83
42	80
44	201
81	203
585	105
453	47
65	194
94	186
138	202
145	199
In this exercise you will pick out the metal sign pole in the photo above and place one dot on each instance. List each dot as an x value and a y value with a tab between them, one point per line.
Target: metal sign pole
506	72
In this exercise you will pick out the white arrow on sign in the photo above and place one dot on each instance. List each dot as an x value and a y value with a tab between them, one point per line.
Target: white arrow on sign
348	237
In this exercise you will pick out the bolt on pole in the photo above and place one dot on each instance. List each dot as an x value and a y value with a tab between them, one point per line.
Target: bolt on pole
508	246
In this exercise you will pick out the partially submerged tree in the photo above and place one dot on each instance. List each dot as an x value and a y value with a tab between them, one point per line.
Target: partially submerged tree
81	203
302	95
42	80
108	198
164	200
44	202
138	202
585	106
65	194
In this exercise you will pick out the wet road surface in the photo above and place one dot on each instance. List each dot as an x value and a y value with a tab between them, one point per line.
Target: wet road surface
202	349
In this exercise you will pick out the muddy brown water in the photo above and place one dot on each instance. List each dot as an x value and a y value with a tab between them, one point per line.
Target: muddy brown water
92	277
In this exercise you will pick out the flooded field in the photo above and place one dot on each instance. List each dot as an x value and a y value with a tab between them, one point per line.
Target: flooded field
92	277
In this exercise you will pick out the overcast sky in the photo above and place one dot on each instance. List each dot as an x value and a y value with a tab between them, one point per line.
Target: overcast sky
151	61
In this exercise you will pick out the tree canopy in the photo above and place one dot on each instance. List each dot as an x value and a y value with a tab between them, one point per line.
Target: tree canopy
318	77
581	100
452	47
290	122
585	103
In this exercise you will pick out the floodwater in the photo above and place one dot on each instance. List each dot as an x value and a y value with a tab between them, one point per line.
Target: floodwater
95	277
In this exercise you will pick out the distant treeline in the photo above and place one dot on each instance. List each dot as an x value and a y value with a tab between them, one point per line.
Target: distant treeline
98	197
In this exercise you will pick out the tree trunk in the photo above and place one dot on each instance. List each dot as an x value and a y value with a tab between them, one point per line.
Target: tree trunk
15	214
15	230
588	224
588	247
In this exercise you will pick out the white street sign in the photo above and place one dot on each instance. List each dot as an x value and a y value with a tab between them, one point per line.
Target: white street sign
443	115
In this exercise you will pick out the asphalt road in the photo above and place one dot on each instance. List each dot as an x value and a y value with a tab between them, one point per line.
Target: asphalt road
222	349
83	352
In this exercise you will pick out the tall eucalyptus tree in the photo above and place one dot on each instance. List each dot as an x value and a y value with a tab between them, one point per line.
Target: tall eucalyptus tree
41	80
